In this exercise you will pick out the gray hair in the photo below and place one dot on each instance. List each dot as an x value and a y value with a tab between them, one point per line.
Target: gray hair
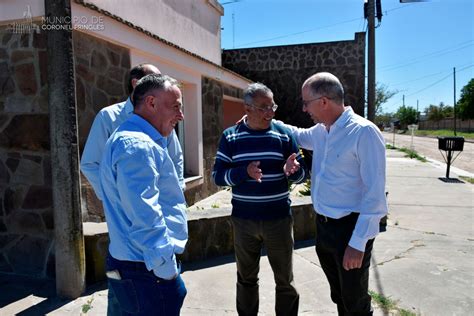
326	84
151	82
254	90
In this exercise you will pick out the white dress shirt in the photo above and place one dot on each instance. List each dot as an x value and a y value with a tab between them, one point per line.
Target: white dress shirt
107	121
348	172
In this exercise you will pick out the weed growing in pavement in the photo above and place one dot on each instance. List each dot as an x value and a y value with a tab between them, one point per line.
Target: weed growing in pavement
306	191
88	306
412	154
389	305
467	179
409	153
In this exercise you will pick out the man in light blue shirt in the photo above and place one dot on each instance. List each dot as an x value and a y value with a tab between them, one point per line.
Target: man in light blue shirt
144	205
108	119
347	189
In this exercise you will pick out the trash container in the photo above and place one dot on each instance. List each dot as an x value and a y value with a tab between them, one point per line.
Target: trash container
450	144
453	143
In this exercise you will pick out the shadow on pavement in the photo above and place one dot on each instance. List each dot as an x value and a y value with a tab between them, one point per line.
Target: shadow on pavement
17	288
209	263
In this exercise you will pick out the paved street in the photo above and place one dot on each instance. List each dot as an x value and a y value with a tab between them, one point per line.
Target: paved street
428	147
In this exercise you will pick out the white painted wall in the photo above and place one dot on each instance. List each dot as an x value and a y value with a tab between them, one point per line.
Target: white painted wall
191	24
11	10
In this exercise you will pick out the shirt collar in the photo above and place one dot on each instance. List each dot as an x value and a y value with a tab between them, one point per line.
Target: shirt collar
146	127
128	106
344	117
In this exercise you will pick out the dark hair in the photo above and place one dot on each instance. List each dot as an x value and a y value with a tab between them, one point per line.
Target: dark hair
137	72
151	82
254	90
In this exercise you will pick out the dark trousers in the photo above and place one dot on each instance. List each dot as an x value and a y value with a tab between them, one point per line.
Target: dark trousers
349	289
249	238
140	292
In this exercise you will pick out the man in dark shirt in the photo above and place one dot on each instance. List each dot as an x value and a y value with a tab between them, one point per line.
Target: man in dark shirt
257	158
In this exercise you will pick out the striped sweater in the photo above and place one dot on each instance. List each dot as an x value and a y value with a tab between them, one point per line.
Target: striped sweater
239	146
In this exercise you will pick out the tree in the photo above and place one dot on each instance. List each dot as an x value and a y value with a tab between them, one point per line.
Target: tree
383	119
407	115
382	95
465	105
438	112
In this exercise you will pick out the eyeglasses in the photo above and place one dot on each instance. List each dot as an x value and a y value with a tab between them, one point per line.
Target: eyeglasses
307	102
269	108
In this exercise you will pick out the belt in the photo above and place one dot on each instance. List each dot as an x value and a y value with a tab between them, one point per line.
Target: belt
324	219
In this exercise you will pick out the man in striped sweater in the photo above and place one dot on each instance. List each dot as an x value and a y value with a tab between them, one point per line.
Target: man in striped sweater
257	158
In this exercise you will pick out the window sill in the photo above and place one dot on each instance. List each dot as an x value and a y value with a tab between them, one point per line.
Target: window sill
193	181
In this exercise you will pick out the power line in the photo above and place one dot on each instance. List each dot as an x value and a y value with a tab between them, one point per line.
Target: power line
319	28
431	85
302	32
438	53
434	83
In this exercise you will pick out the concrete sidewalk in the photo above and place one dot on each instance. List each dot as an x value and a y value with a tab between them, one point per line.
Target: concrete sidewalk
424	262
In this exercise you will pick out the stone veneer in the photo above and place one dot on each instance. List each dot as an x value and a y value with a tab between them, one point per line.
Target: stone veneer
212	127
284	69
101	70
26	214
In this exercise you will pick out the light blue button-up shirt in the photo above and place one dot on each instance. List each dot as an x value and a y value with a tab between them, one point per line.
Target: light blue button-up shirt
348	172
143	202
106	121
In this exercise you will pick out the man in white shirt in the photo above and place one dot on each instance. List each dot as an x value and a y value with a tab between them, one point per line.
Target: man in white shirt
107	121
347	189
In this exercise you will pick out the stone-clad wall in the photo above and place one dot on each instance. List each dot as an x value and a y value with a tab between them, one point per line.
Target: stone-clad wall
101	70
26	214
212	127
284	69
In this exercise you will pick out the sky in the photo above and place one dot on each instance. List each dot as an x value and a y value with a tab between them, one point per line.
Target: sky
417	44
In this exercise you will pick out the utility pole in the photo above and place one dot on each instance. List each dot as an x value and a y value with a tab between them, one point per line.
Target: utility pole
454	104
68	233
417	113
233	30
371	61
403	100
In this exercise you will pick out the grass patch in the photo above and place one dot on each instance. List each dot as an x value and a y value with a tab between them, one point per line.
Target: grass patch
409	153
88	306
389	305
412	154
306	191
443	132
467	179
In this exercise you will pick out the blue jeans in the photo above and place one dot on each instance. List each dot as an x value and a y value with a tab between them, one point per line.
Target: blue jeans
140	292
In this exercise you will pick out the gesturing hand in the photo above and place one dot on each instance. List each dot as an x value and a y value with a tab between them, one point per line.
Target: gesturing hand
292	165
254	171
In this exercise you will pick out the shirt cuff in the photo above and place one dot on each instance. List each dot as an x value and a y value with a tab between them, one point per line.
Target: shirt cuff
358	243
168	270
162	264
